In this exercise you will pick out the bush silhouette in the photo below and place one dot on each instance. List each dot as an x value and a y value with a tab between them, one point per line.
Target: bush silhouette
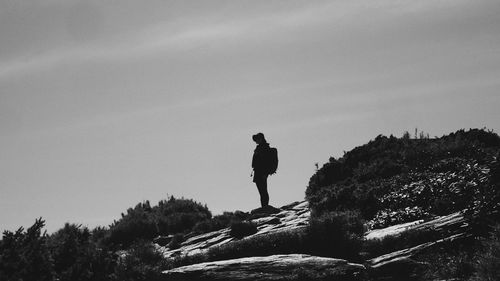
391	180
176	241
170	216
138	223
219	221
24	255
240	229
142	262
76	256
487	260
336	234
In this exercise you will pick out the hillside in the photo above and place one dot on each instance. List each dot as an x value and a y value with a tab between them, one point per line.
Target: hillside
399	207
395	208
276	251
393	180
392	209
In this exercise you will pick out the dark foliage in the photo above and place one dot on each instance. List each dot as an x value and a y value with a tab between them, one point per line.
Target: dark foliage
76	256
179	215
336	234
176	241
451	260
219	222
75	253
141	262
24	255
484	211
387	156
240	229
138	223
487	259
168	217
393	180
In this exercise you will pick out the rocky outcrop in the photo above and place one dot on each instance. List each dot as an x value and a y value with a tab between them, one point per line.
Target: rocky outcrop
277	267
403	264
409	252
452	223
451	227
305	267
271	220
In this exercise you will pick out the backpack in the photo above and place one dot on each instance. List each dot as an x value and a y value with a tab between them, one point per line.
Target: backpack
272	160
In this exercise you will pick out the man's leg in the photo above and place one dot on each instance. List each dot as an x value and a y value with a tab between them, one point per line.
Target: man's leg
262	187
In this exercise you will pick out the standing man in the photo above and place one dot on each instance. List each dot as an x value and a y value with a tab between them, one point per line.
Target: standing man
259	165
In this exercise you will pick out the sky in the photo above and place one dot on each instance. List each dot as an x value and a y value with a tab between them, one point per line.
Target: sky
105	104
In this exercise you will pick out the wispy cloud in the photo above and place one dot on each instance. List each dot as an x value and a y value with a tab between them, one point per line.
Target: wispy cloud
171	37
158	38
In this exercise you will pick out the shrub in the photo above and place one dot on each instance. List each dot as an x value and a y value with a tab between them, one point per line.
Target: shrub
168	217
305	273
487	260
219	222
141	262
240	229
176	241
138	223
336	234
439	176
77	256
24	255
450	261
379	168
179	215
337	197
387	217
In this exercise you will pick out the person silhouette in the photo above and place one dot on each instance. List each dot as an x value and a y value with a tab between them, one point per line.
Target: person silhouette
259	166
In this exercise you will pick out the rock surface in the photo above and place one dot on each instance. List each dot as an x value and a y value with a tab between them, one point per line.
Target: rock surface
292	216
452	226
304	267
454	222
276	267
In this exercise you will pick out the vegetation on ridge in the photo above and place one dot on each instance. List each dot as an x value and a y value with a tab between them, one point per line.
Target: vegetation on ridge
144	221
122	251
393	180
387	181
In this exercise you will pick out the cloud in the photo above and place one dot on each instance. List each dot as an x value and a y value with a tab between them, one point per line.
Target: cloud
150	40
181	35
347	48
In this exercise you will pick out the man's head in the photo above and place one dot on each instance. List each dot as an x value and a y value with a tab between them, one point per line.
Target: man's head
259	138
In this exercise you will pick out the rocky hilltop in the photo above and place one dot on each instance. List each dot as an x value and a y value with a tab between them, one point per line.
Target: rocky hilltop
295	217
290	217
393	209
